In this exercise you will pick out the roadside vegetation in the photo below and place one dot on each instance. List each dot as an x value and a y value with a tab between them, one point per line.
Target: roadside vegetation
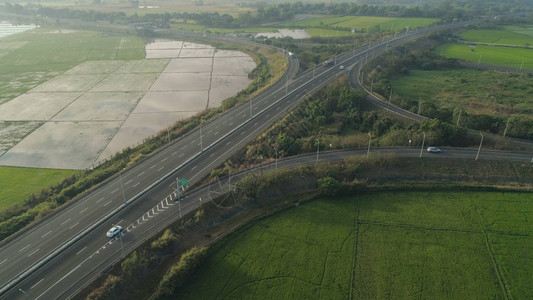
459	200
437	87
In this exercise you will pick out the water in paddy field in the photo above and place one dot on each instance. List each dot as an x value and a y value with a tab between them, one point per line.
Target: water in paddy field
7	28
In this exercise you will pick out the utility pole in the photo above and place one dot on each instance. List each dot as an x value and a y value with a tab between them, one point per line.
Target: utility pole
369	139
480	143
459	117
317	149
122	186
251	114
422	149
506	126
276	149
178	193
25	294
201	145
522	64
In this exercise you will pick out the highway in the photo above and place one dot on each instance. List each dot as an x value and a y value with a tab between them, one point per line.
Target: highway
63	253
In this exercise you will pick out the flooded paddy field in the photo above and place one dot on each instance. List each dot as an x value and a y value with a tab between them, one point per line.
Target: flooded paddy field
97	108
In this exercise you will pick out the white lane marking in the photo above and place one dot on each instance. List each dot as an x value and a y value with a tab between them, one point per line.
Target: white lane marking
81	250
137	184
65	222
153	166
100	200
84	210
255	124
174	153
24	248
212	154
164	159
33	253
228	143
242	133
268	115
119	222
36	284
182	154
46	234
216	133
244	115
193	168
231	123
140	174
127	182
114	190
73	225
108	203
71	271
5	259
160	169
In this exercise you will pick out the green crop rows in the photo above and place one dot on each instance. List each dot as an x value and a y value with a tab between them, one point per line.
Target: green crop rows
415	244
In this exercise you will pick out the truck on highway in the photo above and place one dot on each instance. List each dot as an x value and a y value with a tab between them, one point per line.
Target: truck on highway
329	63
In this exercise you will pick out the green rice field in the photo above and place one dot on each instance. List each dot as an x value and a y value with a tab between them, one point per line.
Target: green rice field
476	91
364	23
453	245
16	184
483	54
506	47
511	35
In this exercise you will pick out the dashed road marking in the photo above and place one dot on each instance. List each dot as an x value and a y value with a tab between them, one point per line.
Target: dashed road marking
24	248
100	200
81	250
46	234
5	259
36	283
73	225
137	184
193	168
108	203
127	182
164	159
33	253
160	169
113	191
84	210
140	174
182	154
65	222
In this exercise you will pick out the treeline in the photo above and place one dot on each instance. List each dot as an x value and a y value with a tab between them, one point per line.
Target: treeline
272	13
336	118
377	76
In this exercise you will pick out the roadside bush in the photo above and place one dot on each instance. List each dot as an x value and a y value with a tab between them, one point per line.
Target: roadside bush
166	239
106	290
329	186
178	273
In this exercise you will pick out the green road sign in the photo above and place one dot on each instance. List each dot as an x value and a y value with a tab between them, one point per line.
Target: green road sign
184	182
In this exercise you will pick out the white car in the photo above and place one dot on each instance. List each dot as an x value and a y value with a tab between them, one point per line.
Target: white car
433	149
114	231
341	68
